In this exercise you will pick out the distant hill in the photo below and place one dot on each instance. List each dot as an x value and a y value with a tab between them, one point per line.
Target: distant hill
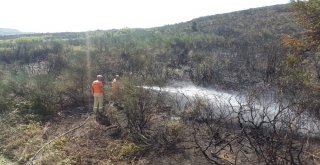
8	31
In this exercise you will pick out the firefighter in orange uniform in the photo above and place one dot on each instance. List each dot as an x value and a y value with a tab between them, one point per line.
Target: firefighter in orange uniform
97	92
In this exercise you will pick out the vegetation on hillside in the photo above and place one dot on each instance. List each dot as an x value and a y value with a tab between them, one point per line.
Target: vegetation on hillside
300	70
261	53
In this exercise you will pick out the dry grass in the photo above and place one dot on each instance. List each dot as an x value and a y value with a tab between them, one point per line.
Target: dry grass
90	144
93	144
18	140
5	161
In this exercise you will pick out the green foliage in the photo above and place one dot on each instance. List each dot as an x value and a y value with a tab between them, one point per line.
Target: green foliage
59	143
138	107
128	150
292	60
169	135
29	109
122	152
29	39
308	14
49	72
4	105
298	75
4	160
28	95
18	141
242	35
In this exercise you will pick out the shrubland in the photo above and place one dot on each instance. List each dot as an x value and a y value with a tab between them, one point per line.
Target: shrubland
261	53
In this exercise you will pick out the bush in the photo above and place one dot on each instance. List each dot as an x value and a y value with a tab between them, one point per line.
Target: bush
129	150
138	107
122	150
32	109
4	105
167	136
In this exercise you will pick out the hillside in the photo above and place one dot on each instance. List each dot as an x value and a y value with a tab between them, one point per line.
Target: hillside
46	102
237	49
7	31
247	44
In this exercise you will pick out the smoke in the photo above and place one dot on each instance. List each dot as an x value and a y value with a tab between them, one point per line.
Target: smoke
258	107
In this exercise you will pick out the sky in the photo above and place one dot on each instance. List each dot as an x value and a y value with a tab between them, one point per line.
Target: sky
84	15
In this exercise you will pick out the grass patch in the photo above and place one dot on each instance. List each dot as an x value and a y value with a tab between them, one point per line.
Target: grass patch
18	140
6	161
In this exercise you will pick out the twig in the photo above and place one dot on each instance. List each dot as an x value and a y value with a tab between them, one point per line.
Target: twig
313	155
30	162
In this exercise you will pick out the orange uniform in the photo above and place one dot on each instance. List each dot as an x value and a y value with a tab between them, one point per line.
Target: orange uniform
97	87
97	92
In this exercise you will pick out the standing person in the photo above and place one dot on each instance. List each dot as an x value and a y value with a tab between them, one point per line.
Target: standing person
97	92
115	87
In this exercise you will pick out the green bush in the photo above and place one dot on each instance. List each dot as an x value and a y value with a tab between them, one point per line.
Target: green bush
32	110
138	106
4	105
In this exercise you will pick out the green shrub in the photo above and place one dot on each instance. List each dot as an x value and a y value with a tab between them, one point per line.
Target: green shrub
129	149
60	143
138	107
32	109
4	104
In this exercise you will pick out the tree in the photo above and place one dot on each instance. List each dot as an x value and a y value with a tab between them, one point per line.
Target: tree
257	128
300	70
308	15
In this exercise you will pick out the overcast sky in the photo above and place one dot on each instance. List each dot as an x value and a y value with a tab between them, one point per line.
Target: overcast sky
83	15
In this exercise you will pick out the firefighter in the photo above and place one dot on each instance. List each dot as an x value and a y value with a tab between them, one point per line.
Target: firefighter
97	92
115	88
